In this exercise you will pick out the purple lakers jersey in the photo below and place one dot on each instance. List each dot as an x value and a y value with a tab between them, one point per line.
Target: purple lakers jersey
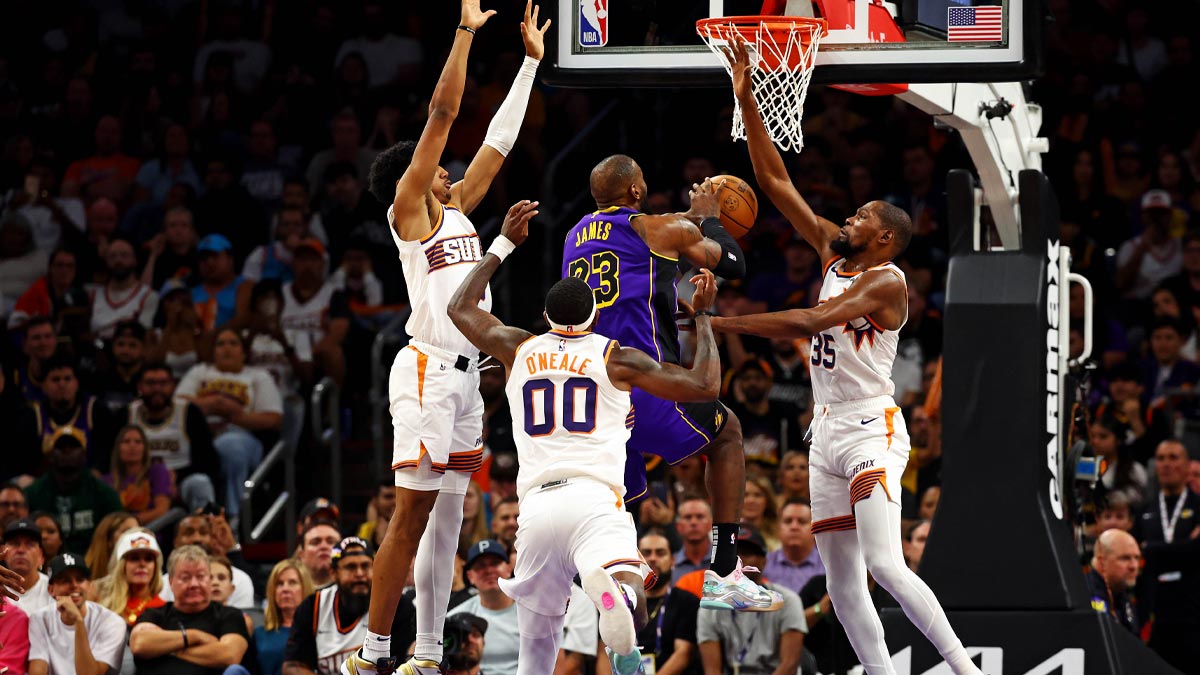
634	286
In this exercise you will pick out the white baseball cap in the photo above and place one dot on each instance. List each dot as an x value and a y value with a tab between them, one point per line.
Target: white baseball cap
1156	199
137	539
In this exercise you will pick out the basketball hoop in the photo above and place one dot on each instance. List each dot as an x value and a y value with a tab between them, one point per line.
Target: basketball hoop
783	50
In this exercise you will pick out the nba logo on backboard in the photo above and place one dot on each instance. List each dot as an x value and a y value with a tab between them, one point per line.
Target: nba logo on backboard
593	23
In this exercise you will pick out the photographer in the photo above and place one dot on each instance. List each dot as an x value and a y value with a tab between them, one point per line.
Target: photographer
463	638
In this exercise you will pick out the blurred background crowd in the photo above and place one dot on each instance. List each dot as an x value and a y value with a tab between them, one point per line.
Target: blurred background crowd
187	248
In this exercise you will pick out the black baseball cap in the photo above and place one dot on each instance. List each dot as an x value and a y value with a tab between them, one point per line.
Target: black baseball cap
67	561
23	526
748	536
468	621
486	547
315	506
351	546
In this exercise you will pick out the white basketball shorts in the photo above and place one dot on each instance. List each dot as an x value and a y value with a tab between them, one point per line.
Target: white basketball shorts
437	422
855	445
569	526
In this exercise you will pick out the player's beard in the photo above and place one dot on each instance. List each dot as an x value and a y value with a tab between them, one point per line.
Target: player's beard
844	248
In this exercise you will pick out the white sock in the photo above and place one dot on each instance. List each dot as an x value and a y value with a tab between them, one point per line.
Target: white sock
630	594
433	572
376	647
878	522
540	636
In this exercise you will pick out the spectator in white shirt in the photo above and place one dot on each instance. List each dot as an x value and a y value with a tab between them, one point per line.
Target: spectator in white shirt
23	555
239	401
74	636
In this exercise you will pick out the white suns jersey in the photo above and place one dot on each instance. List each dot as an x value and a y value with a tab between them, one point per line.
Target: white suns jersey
568	417
853	361
335	642
434	267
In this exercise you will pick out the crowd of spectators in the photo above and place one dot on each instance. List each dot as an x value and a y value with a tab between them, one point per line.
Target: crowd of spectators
186	247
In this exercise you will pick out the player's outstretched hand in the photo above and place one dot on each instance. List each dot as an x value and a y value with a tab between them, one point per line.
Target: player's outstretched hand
739	61
704	201
472	16
706	290
534	37
516	221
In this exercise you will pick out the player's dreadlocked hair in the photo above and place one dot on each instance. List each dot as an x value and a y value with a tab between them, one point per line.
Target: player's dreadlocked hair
387	168
569	302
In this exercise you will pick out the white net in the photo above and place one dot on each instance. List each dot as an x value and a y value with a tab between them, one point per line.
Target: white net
783	51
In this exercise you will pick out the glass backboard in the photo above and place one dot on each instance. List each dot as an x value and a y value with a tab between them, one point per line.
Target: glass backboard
613	43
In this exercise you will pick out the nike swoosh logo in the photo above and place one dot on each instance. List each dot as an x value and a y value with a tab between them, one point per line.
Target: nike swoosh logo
868	421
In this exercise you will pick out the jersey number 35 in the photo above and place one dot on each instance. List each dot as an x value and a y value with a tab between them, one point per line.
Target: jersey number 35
823	352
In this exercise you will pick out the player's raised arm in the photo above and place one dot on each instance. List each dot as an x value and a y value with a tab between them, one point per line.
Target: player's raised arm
700	238
409	209
506	123
769	170
485	331
879	296
628	367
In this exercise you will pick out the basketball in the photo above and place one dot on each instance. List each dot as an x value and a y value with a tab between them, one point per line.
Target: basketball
739	205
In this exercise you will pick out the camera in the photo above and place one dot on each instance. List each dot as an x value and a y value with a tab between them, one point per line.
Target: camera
456	635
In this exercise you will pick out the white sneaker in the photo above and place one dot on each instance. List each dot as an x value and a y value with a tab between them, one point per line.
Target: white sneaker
616	617
737	592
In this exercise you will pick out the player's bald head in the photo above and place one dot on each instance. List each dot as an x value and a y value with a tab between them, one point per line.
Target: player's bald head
612	178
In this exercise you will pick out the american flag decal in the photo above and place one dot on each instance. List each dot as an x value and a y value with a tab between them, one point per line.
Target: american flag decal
974	24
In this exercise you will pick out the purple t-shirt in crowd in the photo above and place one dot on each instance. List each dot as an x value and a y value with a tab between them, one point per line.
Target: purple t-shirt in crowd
139	495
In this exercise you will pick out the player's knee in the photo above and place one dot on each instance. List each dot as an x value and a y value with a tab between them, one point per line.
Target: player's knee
842	595
884	569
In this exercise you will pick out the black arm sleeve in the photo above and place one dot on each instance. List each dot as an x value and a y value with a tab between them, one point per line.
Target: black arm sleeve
732	264
302	641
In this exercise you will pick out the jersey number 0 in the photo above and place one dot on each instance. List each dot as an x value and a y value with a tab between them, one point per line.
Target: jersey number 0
578	406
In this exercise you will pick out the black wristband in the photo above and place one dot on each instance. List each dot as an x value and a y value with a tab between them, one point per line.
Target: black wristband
467	28
731	264
183	629
703	312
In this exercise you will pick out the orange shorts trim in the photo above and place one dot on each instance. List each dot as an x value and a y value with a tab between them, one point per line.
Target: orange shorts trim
414	463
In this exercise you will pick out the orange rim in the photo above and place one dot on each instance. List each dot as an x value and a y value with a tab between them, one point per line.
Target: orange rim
778	26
